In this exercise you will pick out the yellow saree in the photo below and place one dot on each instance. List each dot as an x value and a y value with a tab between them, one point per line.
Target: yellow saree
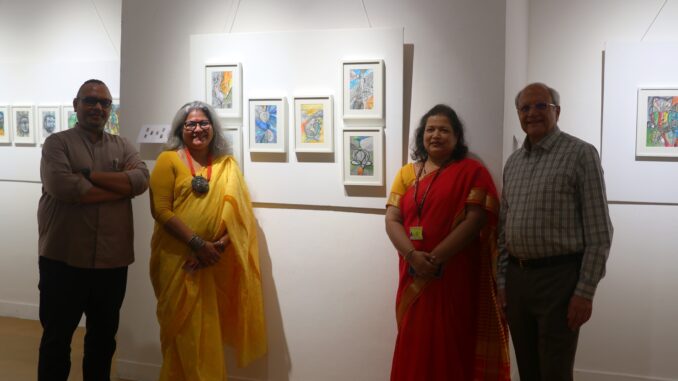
202	310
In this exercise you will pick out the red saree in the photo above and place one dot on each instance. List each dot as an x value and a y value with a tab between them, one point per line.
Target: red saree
449	328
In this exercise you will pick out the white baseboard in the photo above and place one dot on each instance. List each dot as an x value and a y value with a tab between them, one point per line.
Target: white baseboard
595	375
132	370
25	311
19	310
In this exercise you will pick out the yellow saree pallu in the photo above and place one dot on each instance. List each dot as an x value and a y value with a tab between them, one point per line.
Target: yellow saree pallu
202	310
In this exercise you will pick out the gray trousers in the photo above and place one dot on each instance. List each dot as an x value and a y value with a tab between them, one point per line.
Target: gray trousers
537	300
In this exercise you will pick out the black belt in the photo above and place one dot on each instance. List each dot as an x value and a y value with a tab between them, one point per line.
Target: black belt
535	263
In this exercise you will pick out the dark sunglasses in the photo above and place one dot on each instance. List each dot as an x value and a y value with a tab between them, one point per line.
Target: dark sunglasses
92	101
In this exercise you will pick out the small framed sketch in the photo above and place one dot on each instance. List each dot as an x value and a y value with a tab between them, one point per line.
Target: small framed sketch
363	157
68	117
24	125
223	89
363	89
657	125
313	127
268	125
113	124
49	120
5	130
234	138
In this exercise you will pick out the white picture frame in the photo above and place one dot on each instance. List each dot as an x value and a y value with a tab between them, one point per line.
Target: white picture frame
49	121
313	124
233	136
69	117
363	89
268	125
5	125
363	157
23	122
657	123
113	124
223	88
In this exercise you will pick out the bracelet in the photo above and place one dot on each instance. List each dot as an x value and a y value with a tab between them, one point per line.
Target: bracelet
196	243
409	254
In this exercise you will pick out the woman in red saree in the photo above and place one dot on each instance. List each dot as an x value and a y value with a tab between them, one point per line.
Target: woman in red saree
441	217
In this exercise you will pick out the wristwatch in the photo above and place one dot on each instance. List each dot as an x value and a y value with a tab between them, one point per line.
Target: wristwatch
86	172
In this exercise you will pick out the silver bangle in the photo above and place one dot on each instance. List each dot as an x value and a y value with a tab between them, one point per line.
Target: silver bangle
196	243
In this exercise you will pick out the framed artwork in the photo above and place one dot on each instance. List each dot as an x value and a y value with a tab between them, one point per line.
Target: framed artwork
68	117
234	138
49	120
267	129
223	89
313	124
5	130
113	124
363	157
657	125
363	89
24	125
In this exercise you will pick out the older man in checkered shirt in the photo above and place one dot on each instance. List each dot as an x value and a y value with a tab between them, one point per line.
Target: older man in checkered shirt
554	238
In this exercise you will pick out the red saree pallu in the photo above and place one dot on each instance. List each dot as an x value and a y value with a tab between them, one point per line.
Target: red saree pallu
449	327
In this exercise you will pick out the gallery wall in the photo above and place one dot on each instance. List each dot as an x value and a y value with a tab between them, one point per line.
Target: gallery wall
48	49
633	332
329	274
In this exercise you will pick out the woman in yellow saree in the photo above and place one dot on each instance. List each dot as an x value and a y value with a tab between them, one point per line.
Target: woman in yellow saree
204	256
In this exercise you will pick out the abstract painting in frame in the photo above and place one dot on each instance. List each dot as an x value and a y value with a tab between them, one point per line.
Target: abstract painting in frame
68	117
267	127
363	89
363	157
5	130
24	124
313	124
113	124
234	138
657	125
223	89
49	121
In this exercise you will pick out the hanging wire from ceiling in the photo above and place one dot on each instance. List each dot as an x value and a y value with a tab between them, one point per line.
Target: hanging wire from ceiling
103	24
235	14
367	16
655	19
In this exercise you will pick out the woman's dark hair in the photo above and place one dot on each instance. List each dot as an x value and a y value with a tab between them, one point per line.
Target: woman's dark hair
419	152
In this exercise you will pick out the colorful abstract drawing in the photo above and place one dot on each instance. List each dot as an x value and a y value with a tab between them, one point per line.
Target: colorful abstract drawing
2	124
362	155
266	124
72	119
311	126
113	124
361	87
662	121
222	89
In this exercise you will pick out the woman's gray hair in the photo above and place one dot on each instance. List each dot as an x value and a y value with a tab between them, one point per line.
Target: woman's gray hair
219	146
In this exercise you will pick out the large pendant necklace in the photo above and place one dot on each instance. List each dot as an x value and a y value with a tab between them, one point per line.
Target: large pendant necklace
200	184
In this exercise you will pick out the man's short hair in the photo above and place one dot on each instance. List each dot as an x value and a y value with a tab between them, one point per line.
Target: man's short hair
555	96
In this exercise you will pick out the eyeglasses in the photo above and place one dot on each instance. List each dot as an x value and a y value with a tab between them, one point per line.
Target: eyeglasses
191	126
541	106
92	101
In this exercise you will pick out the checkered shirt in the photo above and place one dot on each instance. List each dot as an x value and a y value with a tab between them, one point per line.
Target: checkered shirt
553	203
